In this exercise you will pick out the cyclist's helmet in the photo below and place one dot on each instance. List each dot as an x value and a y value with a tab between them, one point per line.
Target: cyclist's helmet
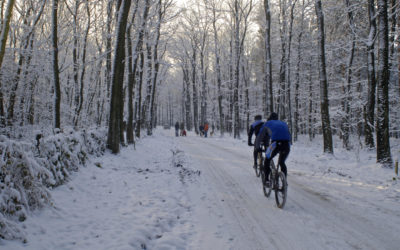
273	116
257	117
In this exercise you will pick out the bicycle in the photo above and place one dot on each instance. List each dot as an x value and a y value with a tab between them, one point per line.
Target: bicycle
277	183
260	161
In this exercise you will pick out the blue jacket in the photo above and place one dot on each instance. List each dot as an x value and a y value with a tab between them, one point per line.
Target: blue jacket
275	130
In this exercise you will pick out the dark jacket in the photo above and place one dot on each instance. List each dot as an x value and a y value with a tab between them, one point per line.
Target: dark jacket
254	129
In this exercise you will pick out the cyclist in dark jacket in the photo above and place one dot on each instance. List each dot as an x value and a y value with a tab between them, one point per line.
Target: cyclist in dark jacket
279	134
255	129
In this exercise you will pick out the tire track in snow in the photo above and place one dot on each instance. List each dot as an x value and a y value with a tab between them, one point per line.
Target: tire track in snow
310	220
257	217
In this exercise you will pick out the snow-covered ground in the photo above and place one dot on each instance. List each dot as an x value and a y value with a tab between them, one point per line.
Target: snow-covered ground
202	193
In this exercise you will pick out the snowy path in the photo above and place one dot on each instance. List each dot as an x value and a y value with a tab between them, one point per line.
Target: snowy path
314	217
139	200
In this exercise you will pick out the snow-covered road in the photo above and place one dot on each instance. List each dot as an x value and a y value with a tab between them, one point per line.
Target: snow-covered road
237	214
148	199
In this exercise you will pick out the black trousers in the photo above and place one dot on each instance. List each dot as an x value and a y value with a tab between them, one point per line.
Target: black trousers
283	148
256	151
255	154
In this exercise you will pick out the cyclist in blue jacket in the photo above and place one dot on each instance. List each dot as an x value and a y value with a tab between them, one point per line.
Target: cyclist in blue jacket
255	129
278	132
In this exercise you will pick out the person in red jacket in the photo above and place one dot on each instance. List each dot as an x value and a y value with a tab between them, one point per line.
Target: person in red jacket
205	129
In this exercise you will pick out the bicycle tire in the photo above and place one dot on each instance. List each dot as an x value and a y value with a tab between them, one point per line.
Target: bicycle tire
266	189
280	187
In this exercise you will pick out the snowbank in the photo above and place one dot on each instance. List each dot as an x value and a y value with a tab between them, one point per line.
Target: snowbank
29	169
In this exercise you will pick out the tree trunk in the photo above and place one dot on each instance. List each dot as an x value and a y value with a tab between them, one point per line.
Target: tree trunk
3	40
218	73
116	104
134	51
268	61
382	123
109	46
56	73
195	98
281	100
236	121
156	71
131	81
347	89
392	33
149	69
325	118
370	109
246	96
139	51
289	95
82	77
297	85
310	102
203	101
139	97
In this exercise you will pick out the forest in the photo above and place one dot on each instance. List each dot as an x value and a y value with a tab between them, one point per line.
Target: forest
327	67
79	77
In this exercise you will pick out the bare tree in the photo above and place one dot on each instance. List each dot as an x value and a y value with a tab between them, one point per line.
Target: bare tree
268	61
297	74
56	73
382	122
326	125
218	66
132	66
116	105
347	88
370	109
25	55
240	12
5	27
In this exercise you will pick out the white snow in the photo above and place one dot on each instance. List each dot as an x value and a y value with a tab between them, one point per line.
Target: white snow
202	193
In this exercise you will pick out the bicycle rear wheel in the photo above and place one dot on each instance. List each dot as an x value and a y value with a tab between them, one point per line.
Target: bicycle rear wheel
266	189
280	187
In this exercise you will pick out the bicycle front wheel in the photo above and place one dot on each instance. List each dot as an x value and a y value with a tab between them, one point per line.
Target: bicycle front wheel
280	189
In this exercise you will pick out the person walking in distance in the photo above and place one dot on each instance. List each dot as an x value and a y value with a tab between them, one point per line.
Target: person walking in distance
205	129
